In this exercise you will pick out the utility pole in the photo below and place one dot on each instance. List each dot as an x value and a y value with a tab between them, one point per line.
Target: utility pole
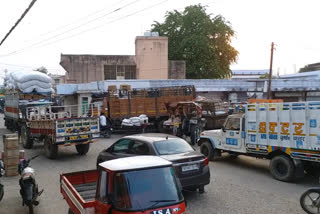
270	72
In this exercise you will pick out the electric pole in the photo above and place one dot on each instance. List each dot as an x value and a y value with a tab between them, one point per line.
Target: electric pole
270	72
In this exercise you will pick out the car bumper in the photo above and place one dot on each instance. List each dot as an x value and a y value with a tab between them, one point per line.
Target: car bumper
195	181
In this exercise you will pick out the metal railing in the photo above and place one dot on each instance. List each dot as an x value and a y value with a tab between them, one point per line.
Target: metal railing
49	112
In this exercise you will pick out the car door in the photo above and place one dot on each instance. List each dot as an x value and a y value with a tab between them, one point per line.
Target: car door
121	149
233	134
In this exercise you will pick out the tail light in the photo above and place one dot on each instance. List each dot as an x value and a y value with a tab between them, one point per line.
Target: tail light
206	161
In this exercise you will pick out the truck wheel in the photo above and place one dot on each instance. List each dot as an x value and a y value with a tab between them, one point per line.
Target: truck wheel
282	168
24	137
83	149
312	169
51	150
207	150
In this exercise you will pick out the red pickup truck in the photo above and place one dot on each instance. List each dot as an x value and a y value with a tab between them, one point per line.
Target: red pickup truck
141	184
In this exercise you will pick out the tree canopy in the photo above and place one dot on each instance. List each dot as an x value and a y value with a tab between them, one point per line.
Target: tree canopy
203	42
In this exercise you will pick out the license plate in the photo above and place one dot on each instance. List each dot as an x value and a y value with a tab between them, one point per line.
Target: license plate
84	136
190	167
73	138
193	121
163	211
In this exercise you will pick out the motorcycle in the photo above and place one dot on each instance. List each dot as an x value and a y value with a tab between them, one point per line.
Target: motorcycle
310	200
1	186
28	187
106	132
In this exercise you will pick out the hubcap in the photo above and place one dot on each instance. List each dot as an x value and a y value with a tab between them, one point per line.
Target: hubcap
282	169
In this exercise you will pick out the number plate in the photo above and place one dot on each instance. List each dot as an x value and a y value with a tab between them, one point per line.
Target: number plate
190	167
164	211
84	136
193	121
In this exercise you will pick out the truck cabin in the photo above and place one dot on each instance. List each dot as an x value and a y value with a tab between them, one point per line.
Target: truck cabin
234	122
138	184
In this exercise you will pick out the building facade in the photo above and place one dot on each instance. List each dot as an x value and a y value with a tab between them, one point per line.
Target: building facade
150	62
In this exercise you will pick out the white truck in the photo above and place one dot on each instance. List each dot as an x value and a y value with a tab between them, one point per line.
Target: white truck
286	133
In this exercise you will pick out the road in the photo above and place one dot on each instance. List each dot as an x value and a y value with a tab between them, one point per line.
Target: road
238	186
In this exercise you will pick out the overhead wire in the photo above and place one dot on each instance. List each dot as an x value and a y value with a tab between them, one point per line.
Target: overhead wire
87	30
77	20
17	22
72	29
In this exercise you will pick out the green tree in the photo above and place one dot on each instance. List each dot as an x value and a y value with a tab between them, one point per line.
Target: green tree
203	42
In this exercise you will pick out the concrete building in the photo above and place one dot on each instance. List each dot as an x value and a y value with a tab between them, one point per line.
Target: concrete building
57	79
150	62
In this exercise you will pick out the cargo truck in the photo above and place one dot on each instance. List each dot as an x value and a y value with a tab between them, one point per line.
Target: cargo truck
126	103
286	133
35	119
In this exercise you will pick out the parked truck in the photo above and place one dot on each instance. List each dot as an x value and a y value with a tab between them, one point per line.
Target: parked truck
126	103
142	184
286	133
36	119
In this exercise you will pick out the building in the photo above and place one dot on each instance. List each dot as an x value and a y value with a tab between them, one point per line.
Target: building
248	74
57	79
149	62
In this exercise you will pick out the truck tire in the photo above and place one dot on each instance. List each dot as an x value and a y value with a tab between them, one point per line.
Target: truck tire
312	169
51	150
207	150
83	149
282	168
24	137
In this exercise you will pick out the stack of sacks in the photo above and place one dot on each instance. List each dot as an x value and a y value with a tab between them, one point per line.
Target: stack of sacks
135	121
28	82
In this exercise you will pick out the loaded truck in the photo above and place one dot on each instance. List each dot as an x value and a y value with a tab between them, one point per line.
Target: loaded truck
288	134
124	186
36	119
126	103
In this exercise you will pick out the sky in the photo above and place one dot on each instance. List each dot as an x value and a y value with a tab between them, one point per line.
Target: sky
109	27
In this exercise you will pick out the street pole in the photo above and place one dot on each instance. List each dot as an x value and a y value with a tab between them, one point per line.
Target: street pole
270	72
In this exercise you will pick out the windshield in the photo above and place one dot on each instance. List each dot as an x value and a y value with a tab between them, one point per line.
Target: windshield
146	189
172	146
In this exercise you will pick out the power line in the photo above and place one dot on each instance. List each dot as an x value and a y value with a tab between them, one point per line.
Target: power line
76	21
90	29
74	28
19	20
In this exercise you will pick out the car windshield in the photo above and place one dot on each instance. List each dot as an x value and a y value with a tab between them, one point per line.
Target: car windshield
172	146
146	189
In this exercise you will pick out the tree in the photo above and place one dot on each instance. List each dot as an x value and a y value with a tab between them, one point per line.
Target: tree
266	76
42	69
203	42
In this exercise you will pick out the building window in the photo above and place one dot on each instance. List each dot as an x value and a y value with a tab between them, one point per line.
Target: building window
114	72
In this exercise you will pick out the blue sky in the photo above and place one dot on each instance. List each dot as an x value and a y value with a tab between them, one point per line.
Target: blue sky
36	42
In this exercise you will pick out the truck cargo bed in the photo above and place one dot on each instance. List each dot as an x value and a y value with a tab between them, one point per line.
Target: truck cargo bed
87	191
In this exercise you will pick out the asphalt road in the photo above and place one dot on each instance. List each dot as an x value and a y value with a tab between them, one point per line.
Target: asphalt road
238	186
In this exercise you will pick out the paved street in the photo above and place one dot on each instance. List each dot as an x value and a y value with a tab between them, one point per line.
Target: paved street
239	186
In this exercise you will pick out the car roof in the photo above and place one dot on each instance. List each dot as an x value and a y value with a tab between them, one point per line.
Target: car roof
151	137
136	162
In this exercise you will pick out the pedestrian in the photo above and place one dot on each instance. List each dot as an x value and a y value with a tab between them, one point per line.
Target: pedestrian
103	122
